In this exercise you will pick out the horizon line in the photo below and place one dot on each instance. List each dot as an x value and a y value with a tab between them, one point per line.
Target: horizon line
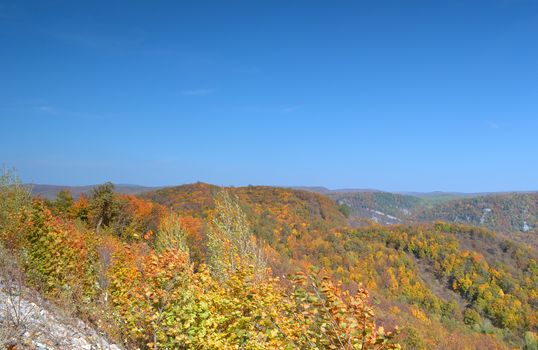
299	187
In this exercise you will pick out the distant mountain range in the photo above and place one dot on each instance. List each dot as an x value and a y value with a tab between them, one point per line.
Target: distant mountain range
515	212
418	272
50	191
511	213
325	190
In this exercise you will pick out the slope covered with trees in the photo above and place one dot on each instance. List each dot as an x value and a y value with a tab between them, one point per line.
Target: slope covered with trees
379	207
199	266
515	212
125	265
417	291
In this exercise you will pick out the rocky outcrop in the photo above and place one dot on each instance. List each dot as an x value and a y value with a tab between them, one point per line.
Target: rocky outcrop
28	322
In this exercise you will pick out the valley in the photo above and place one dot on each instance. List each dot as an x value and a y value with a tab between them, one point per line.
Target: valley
446	272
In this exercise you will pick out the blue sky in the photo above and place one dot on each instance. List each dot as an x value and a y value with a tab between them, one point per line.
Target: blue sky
393	95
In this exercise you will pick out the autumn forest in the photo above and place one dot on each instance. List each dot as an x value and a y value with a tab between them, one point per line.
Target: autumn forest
205	267
259	175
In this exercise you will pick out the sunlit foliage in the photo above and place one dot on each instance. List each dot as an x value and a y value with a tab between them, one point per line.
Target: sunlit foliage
125	265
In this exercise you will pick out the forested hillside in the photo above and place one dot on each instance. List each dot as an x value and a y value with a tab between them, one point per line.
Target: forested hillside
200	266
378	207
269	175
152	278
404	267
515	212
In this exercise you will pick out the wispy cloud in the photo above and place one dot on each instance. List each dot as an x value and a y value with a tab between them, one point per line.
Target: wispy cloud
61	113
492	125
198	92
290	109
127	39
47	110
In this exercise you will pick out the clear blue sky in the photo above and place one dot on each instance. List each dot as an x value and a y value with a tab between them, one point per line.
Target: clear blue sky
393	95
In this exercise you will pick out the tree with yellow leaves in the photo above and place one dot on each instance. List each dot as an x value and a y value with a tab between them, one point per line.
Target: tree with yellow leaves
230	240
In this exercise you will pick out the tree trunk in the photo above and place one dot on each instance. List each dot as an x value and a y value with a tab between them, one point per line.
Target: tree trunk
99	224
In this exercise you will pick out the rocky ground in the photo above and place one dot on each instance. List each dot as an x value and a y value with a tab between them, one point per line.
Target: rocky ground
28	322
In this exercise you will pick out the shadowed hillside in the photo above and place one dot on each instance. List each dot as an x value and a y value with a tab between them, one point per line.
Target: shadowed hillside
517	212
379	207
